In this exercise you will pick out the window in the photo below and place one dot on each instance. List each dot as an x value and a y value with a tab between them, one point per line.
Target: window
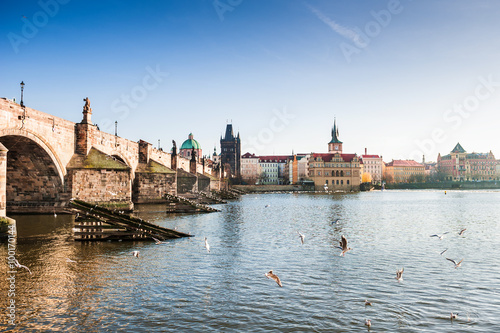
348	182
326	182
337	181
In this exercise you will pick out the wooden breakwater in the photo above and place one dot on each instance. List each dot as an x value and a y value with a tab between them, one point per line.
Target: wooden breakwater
178	204
96	223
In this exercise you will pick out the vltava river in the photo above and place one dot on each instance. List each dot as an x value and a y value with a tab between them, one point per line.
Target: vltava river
179	286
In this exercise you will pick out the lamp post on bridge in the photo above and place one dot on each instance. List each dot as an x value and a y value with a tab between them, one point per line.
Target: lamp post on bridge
22	89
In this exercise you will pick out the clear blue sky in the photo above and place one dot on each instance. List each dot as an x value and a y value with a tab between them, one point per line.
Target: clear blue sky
402	77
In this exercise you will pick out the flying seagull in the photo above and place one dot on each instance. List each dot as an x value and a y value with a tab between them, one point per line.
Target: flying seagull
440	236
157	241
443	251
135	254
206	245
457	264
343	246
301	237
462	231
335	221
399	274
275	277
18	265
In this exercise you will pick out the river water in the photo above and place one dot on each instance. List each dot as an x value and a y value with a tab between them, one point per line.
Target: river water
179	286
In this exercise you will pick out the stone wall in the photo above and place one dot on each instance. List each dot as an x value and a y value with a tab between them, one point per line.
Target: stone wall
152	187
186	182
3	180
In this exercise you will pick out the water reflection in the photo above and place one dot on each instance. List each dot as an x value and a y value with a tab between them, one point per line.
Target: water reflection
179	286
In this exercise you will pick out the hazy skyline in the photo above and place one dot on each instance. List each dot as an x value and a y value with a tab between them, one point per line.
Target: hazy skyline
403	78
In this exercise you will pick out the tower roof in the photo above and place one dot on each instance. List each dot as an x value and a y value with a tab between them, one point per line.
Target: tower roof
190	143
458	149
229	132
335	133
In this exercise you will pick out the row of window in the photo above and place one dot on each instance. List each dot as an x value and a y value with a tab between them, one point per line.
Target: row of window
335	173
339	182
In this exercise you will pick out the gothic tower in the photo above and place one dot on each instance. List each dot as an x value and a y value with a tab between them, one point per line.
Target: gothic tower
335	145
231	151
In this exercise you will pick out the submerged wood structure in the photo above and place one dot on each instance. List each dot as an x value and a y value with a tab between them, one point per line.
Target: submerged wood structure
95	223
177	204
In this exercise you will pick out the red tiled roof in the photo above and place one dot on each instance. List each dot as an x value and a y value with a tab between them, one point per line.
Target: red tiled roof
274	158
248	155
328	156
370	156
404	163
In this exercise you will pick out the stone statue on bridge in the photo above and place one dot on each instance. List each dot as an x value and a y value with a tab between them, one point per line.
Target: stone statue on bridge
87	111
174	148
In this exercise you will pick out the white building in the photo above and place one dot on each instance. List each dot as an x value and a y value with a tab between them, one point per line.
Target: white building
272	169
372	164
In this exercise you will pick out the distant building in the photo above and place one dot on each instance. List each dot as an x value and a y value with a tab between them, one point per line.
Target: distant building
298	168
404	171
335	170
187	148
272	170
249	168
372	165
459	165
231	151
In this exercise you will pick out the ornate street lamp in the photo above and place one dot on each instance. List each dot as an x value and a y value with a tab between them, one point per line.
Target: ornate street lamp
22	89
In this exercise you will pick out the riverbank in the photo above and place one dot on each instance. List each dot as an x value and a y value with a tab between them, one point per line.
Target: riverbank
272	188
445	186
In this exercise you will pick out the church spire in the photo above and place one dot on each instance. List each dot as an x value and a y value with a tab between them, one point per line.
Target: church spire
335	133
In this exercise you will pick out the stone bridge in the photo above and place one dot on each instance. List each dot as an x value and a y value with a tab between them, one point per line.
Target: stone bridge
46	160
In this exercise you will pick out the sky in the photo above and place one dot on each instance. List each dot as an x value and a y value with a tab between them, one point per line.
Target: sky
402	78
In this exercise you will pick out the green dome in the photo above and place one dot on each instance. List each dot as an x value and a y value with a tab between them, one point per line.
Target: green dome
190	143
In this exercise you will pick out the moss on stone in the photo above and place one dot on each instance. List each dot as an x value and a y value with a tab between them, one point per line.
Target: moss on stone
155	167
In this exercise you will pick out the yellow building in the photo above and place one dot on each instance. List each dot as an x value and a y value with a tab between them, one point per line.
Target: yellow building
335	170
404	171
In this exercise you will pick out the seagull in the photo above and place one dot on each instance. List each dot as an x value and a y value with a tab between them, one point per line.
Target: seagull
399	274
440	236
157	241
343	246
335	221
462	232
135	254
69	260
368	302
301	237
206	245
18	265
268	206
368	322
453	315
457	264
270	275
112	193
443	251
55	215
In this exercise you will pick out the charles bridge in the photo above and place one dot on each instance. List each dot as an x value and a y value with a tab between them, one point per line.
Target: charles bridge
46	160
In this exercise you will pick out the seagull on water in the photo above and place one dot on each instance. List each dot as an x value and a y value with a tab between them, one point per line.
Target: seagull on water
157	241
439	236
368	302
135	254
399	274
462	231
301	237
335	221
343	246
457	264
206	245
18	265
368	323
275	277
268	206
453	315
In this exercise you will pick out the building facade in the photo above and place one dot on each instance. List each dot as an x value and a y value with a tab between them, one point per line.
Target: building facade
404	171
230	147
459	165
335	170
249	168
272	170
298	168
372	165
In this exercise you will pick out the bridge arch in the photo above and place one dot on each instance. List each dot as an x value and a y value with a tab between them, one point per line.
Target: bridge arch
34	172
